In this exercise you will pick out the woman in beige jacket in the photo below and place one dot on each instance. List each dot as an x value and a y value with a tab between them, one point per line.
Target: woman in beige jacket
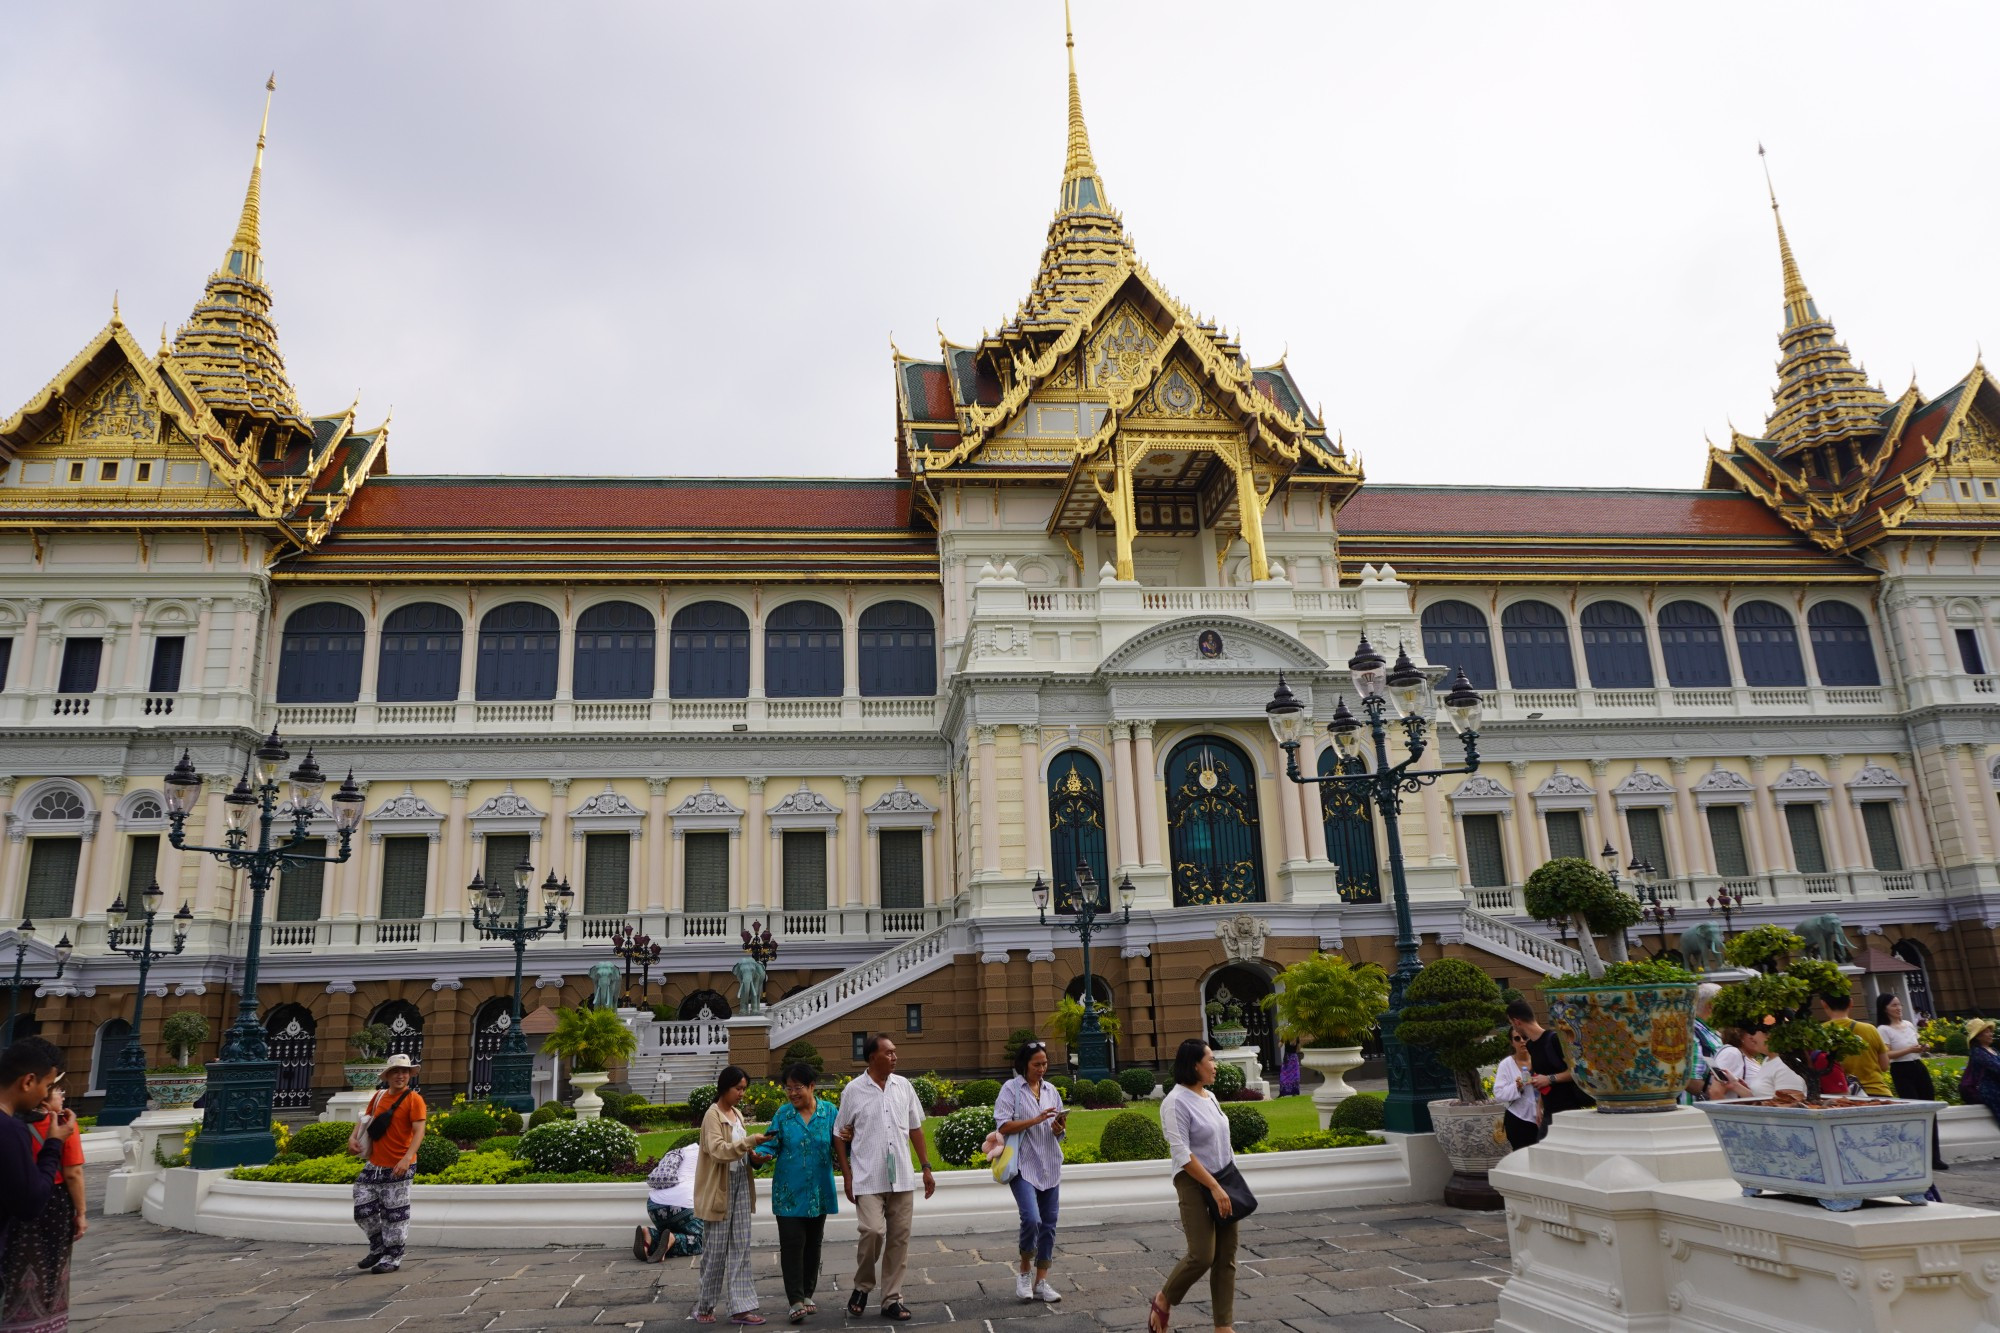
724	1198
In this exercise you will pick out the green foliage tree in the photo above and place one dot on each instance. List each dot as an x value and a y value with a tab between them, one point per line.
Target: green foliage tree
1571	889
980	1092
1066	1021
1016	1039
1138	1081
1324	1000
1455	1011
182	1034
1247	1126
370	1042
804	1052
1781	1004
1761	947
1131	1136
592	1040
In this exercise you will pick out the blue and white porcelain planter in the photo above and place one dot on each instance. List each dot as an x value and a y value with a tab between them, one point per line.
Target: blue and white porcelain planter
1839	1152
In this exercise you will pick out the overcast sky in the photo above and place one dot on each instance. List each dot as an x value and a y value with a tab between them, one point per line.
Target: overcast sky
1503	243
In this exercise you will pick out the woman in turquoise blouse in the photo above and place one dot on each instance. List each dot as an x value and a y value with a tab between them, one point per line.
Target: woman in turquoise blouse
800	1140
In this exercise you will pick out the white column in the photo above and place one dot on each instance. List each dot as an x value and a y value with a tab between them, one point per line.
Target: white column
663	890
468	651
31	631
9	899
242	644
662	646
1291	828
196	675
362	870
134	638
371	655
1777	845
1696	853
1841	815
566	650
1527	835
559	840
432	884
987	738
677	869
757	650
447	896
1312	817
1128	814
1458	850
935	860
210	834
755	854
1435	850
1034	765
850	652
1982	795
871	869
851	839
1608	830
1146	793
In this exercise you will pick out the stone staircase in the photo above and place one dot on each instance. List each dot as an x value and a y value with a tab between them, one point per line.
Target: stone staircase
796	1015
1503	939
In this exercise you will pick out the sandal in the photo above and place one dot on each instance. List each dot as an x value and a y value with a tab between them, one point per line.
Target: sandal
746	1317
896	1310
857	1304
701	1318
1158	1316
798	1314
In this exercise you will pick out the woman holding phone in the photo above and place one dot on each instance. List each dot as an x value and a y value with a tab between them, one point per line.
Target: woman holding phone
1030	1106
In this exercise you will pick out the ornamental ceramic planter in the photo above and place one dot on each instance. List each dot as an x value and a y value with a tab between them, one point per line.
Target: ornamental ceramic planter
1228	1038
175	1092
588	1104
1631	1046
364	1075
1473	1140
1838	1152
1333	1063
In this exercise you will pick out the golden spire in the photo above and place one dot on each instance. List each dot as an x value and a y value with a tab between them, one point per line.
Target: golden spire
1082	187
246	252
1822	396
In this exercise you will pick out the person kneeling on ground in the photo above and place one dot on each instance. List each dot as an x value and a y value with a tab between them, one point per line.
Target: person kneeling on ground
670	1206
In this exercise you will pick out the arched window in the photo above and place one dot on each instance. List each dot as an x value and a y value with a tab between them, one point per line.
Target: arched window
614	652
291	1035
1537	643
802	651
1214	839
1842	649
697	1001
1455	636
1076	827
111	1037
1914	953
319	658
1691	643
420	648
1767	643
898	647
518	646
1614	647
406	1028
1350	834
709	657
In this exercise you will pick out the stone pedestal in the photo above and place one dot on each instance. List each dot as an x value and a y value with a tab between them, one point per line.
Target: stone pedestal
125	1189
750	1045
1252	1065
349	1104
1632	1222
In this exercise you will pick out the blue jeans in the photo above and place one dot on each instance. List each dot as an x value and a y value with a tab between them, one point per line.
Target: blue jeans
1038	1219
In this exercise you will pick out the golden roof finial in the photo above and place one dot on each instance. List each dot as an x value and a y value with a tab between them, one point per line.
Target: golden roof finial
1799	308
1082	187
246	256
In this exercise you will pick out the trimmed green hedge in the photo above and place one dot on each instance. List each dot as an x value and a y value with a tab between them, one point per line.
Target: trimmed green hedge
1131	1136
321	1139
1361	1111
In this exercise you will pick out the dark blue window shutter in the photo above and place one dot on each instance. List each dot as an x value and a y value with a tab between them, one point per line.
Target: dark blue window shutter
614	652
709	655
1691	644
898	649
1455	636
1537	641
802	651
518	647
421	644
1842	649
1614	647
81	659
167	655
1767	643
319	657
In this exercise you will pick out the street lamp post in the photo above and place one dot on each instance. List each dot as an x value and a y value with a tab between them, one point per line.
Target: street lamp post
24	935
513	1067
1726	903
243	1079
633	947
1093	1048
125	1086
1415	1077
1652	911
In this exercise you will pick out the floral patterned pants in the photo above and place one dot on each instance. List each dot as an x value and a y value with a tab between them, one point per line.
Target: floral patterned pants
382	1209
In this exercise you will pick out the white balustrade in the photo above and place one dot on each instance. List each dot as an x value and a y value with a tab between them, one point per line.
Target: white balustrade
709	710
802	710
516	713
414	715
1822	886
879	976
1896	881
1510	941
613	710
399	932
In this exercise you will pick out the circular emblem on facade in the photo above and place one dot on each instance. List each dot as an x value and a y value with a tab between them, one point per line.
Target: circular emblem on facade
1208	779
1209	645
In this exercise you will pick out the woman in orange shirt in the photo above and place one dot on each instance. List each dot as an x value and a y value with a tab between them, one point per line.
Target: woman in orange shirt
388	1139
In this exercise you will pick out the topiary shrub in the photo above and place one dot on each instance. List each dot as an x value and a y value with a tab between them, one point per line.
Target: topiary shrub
979	1092
701	1099
342	1170
436	1153
1454	1010
683	1139
468	1126
1109	1093
803	1052
615	1103
960	1134
549	1111
578	1145
762	1100
287	1159
505	1117
1064	1084
478	1168
655	1113
321	1139
1228	1080
1016	1039
933	1090
1322	1138
1130	1136
1571	889
1137	1081
1361	1111
1247	1126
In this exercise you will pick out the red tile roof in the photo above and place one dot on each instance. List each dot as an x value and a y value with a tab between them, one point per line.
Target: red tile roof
1556	512
543	503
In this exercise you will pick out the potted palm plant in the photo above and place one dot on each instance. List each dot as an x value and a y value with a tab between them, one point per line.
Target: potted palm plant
171	1087
592	1040
1327	1004
1458	1013
1835	1149
1628	1026
371	1043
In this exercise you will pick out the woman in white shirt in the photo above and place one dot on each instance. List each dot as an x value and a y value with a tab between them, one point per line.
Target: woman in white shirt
1512	1088
1198	1141
1908	1074
1765	1074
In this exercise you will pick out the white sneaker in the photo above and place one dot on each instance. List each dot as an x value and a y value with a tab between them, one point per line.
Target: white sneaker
1024	1286
1044	1292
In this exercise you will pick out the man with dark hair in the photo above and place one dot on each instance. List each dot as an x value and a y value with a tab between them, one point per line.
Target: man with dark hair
1552	1077
1868	1066
34	1279
880	1117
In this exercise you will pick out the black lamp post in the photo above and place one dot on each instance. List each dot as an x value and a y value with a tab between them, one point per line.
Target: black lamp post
243	1079
1652	911
1093	1048
1415	1077
125	1086
1726	903
513	1067
24	935
636	948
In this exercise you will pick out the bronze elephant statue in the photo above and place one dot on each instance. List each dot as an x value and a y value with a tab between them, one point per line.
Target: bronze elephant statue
1825	937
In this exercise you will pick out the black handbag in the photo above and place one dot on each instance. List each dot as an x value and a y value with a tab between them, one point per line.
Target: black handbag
378	1125
1242	1202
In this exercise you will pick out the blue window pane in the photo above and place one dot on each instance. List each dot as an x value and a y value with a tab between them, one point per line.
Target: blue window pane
319	657
1455	636
518	647
898	648
1537	642
802	651
1614	646
420	652
1767	643
1212	821
1842	650
1691	643
1076	828
614	652
709	652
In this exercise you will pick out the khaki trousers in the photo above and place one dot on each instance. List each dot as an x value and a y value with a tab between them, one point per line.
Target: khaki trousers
884	1222
1211	1250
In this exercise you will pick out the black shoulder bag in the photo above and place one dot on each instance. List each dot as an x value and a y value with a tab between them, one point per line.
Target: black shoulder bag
378	1125
1242	1202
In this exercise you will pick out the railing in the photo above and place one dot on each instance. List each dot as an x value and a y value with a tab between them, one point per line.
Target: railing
923	709
804	923
291	716
799	710
838	994
515	713
429	715
694	1037
1196	599
1898	881
158	705
1982	684
1627	698
601	927
399	932
1063	599
1850	694
1744	888
1493	900
705	927
1543	700
1822	886
709	710
1783	698
1511	941
71	705
1327	601
904	922
296	935
621	710
1704	698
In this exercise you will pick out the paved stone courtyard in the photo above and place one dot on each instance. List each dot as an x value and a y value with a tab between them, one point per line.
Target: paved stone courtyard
1397	1267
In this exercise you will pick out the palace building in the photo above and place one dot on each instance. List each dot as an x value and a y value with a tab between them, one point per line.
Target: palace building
873	713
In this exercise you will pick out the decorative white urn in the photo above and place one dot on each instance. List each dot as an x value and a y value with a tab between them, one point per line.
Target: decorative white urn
1333	1063
589	1106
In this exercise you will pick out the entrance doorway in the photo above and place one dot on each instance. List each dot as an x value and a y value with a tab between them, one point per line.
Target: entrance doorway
1247	985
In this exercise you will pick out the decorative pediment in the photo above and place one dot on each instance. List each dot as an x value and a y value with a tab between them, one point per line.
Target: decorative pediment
507	805
900	808
1643	788
1480	794
1801	784
801	810
1722	779
606	804
1874	776
408	806
1563	784
119	413
1117	354
1214	643
707	801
